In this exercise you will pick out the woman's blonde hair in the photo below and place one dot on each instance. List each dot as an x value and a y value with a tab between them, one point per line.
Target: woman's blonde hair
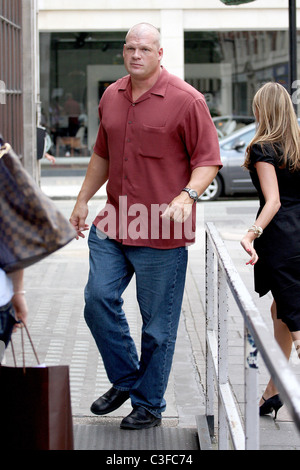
277	124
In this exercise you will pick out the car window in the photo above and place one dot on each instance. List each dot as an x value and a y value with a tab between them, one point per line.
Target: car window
246	137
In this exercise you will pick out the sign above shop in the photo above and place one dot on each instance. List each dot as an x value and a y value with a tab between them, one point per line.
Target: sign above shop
236	2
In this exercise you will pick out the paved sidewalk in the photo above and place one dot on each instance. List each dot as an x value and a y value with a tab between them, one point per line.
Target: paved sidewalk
55	297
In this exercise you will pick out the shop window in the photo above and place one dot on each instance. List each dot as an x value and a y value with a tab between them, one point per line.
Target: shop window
68	62
229	66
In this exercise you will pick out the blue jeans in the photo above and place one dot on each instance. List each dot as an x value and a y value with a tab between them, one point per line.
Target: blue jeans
160	279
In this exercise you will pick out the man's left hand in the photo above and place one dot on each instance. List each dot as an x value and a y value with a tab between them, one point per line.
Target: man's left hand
179	209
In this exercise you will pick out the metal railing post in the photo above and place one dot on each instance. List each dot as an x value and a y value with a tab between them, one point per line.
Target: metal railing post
210	300
222	357
251	392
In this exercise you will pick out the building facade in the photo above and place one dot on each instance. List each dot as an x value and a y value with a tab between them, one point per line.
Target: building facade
19	79
225	52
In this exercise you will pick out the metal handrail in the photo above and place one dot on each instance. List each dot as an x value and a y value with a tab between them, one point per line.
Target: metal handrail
257	338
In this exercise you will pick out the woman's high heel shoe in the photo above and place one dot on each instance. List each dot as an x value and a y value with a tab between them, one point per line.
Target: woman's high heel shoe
272	404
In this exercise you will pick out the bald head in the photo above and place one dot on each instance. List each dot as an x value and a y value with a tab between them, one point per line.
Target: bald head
142	54
141	28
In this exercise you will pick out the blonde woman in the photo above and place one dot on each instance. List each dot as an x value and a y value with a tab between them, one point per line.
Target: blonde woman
273	159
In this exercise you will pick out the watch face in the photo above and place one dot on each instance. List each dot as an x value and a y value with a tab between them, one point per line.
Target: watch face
194	194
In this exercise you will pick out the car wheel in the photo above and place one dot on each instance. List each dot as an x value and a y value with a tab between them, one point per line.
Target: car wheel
213	191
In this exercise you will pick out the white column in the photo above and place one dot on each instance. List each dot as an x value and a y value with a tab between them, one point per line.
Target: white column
30	85
172	35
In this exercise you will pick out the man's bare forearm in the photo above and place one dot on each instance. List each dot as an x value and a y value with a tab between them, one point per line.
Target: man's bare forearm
201	178
181	207
96	176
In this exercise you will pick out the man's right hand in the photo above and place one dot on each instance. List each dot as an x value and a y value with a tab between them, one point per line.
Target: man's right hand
78	217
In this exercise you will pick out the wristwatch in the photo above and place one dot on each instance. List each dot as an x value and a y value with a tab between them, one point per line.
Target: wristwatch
192	193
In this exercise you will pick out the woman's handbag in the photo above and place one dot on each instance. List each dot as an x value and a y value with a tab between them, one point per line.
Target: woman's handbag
31	227
35	406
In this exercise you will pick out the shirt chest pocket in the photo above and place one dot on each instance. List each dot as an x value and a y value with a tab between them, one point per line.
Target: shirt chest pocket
153	141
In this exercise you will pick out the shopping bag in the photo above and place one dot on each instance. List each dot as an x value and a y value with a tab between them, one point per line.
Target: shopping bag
35	407
31	227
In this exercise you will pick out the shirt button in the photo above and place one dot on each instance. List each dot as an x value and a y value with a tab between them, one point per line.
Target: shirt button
129	122
126	159
133	104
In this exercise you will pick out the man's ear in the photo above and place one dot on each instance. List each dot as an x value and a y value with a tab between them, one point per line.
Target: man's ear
161	53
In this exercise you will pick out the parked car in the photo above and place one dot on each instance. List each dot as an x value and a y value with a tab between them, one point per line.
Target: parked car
226	125
232	178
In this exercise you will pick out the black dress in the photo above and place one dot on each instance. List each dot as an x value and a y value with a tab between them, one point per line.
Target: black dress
278	248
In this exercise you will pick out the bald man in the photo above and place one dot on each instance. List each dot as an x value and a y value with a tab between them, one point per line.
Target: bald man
157	149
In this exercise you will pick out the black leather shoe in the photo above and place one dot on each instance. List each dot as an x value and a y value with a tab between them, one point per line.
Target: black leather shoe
110	401
140	418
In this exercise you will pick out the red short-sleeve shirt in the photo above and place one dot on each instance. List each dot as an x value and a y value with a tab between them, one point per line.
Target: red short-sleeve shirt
152	145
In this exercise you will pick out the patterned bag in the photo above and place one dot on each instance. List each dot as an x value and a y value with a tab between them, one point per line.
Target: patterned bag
31	227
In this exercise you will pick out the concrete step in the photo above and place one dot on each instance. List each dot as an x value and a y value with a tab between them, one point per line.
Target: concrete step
111	437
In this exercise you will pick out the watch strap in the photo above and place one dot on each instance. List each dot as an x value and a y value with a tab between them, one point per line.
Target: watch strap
189	190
